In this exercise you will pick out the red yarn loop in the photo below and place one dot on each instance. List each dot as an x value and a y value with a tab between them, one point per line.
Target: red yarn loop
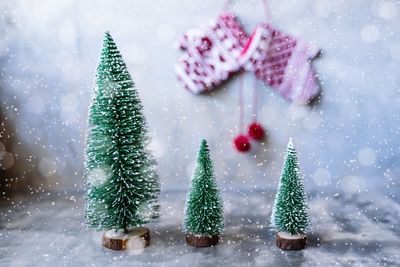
242	143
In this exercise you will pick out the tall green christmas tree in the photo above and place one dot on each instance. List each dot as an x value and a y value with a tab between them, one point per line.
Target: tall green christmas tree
203	212
123	185
290	211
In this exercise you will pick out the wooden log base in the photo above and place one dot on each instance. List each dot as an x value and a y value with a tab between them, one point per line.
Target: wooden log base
135	238
202	240
286	241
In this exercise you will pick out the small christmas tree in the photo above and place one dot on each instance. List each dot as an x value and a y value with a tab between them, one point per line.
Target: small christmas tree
203	213
290	211
120	172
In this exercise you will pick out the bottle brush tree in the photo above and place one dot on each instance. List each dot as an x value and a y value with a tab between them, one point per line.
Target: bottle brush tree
203	213
123	185
290	211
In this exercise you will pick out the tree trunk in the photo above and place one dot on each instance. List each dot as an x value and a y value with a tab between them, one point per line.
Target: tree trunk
135	238
286	241
202	240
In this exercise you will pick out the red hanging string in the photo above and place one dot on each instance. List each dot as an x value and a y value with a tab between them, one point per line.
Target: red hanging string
267	11
254	114
255	100
241	103
226	6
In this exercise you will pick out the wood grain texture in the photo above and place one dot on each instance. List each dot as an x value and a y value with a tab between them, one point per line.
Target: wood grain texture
135	238
202	241
286	241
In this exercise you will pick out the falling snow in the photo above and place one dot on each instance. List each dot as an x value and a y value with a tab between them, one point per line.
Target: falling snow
348	142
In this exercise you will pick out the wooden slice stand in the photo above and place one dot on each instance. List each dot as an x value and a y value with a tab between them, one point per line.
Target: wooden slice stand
135	238
286	241
202	240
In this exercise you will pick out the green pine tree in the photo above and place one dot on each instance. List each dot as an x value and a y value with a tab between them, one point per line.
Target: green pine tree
203	211
123	185
290	211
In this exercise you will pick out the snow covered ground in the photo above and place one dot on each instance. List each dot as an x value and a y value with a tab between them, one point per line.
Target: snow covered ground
49	230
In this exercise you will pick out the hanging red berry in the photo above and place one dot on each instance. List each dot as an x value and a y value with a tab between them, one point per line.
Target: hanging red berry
242	143
256	131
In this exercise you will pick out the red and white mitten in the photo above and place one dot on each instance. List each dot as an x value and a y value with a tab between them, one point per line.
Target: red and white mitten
210	54
283	62
255	49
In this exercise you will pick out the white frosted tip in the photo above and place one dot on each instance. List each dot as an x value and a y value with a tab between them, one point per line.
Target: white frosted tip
290	143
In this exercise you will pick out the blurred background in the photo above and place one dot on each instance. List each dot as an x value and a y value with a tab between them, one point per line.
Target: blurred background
348	142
